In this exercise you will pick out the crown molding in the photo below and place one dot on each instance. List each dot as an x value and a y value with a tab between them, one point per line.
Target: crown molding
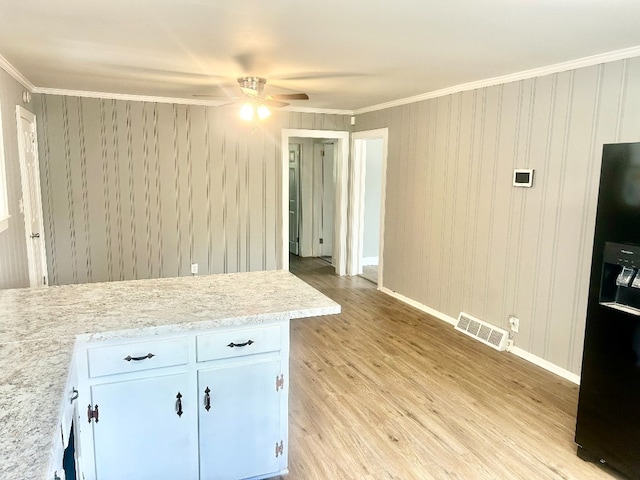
327	111
126	96
175	100
11	70
513	77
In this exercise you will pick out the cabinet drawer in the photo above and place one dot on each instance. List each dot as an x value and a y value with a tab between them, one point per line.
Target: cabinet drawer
137	356
235	343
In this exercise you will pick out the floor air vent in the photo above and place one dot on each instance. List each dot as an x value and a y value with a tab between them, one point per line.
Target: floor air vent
485	332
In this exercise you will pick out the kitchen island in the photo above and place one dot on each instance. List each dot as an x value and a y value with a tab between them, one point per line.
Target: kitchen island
39	328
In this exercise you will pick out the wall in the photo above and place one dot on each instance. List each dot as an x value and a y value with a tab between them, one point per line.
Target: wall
372	194
140	190
14	269
459	237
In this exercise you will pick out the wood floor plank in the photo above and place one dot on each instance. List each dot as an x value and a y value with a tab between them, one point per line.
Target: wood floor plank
385	391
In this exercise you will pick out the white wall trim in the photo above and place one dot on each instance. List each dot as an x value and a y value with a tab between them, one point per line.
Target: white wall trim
517	351
512	77
175	100
11	70
125	96
541	362
326	111
420	306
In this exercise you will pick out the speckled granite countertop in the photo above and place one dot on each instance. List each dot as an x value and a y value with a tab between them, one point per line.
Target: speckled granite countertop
38	328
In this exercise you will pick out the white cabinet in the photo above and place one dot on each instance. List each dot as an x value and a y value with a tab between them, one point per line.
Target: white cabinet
240	431
145	428
207	404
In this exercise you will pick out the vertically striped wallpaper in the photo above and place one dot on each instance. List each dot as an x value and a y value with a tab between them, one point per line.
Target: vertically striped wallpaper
140	190
14	272
459	237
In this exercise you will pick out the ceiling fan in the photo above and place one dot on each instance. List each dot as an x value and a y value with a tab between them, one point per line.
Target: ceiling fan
259	103
254	86
256	102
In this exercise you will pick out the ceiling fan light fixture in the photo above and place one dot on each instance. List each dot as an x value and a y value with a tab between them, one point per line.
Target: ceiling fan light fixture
263	111
246	112
257	104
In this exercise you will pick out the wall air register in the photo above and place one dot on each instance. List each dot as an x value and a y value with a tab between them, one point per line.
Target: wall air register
484	332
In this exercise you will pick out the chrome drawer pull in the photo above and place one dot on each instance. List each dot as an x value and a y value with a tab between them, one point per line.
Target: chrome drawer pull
248	342
128	358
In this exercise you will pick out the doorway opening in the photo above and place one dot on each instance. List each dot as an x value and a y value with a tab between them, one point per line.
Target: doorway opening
312	180
369	153
315	204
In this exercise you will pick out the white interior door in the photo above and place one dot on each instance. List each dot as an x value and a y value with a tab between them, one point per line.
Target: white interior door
31	196
328	198
294	199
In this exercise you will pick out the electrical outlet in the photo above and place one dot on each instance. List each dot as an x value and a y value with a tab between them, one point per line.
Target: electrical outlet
194	268
514	323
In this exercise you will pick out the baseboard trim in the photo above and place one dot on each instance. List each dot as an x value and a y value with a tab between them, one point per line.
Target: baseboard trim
517	351
547	365
420	306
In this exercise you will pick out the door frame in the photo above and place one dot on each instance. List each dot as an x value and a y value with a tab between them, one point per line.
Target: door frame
356	219
34	280
341	194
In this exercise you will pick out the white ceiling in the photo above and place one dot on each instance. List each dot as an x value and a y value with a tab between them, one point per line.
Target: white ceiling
346	54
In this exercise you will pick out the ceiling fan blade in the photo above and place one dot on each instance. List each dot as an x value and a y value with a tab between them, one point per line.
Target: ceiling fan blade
232	102
207	95
216	98
274	103
249	91
289	96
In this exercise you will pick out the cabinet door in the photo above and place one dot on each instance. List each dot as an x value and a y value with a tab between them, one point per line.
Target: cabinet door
239	433
139	434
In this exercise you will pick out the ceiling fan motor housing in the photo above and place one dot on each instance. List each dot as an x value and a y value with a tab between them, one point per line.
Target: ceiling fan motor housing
252	83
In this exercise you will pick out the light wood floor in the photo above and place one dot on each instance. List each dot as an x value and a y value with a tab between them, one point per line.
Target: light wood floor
370	272
384	391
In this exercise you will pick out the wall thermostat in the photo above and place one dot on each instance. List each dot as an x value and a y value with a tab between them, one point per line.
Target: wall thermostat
523	177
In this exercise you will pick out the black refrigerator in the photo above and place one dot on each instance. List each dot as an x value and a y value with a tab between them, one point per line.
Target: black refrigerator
608	420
